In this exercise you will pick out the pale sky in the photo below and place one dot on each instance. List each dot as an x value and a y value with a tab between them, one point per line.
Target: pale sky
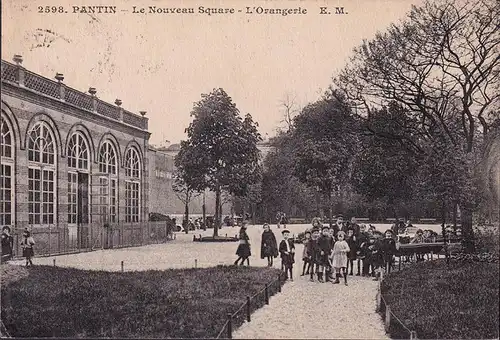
162	63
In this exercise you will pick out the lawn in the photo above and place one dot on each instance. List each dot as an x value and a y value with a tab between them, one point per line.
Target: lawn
176	303
440	302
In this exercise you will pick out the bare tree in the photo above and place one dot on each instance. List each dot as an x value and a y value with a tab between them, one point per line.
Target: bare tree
442	64
185	194
290	109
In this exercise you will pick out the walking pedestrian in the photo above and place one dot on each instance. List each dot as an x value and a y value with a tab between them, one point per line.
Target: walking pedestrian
287	251
27	244
268	245
243	250
7	244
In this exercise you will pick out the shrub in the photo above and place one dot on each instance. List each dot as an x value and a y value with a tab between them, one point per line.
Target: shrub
188	303
459	301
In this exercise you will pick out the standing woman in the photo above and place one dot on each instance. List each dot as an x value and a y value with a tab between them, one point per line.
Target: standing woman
7	244
27	244
268	245
243	250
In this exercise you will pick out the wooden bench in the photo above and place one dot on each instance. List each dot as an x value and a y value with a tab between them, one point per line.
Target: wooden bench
363	219
427	220
297	220
391	219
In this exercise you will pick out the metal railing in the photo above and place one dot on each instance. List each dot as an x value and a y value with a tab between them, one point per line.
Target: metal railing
392	324
243	313
58	240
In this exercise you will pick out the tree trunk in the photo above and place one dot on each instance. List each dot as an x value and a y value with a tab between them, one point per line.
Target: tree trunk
455	213
330	209
217	211
186	213
204	212
443	212
467	230
254	212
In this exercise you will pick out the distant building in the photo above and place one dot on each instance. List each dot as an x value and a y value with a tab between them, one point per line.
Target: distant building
163	198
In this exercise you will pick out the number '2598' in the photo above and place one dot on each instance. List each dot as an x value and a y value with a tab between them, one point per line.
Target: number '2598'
51	9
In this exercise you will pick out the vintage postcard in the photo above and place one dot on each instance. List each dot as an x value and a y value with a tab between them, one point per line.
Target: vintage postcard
252	169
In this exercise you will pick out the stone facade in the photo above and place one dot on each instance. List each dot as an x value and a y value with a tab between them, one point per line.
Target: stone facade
69	158
163	199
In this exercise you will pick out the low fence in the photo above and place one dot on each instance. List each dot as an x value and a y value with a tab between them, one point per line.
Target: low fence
58	240
253	302
393	325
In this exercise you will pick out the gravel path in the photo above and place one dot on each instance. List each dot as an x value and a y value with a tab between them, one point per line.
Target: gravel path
302	310
312	310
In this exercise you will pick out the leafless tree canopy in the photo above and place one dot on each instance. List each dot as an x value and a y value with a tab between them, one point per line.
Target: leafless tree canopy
442	64
290	108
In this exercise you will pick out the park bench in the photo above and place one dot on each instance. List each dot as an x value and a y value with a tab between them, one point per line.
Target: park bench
362	219
427	220
297	220
430	249
391	220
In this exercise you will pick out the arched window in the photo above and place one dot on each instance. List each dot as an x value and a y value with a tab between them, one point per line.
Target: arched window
132	185
107	159
108	183
78	152
7	194
41	175
6	139
78	180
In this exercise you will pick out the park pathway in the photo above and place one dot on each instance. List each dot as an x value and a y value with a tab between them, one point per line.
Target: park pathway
302	310
312	310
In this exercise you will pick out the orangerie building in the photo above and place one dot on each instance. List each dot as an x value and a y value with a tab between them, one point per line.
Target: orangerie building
68	160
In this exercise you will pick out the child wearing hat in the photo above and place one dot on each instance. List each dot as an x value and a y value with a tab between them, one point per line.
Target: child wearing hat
389	249
352	255
305	255
313	253
287	252
325	249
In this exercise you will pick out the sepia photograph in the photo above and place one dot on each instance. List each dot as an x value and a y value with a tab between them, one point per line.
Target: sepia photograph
250	169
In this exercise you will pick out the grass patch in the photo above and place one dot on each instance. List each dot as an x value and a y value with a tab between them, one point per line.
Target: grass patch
176	303
441	302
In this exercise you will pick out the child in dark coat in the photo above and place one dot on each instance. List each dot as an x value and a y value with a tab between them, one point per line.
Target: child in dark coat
287	251
361	241
243	250
7	244
388	249
268	245
376	256
325	249
352	254
306	267
313	253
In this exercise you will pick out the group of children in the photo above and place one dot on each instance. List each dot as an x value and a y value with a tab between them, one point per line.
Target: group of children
331	254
